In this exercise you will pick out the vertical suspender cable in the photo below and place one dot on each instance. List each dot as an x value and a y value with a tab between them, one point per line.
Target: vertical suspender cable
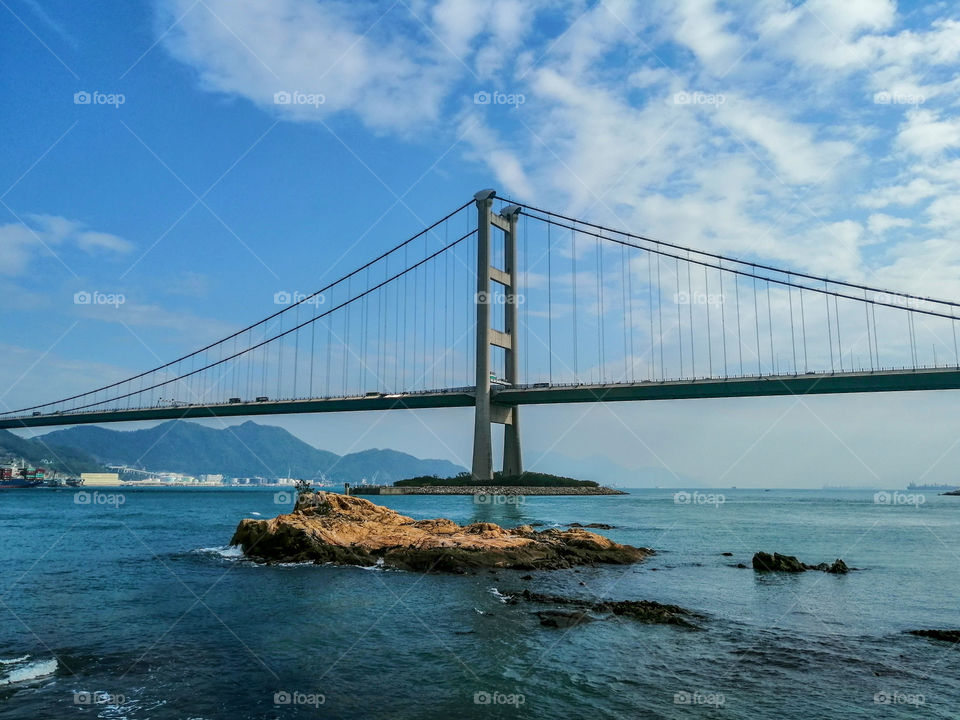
630	316
723	320
773	367
549	305
693	348
803	329
623	299
676	262
653	362
826	299
736	285
573	282
836	312
313	345
706	289
793	335
866	315
663	370
756	318
600	352
953	326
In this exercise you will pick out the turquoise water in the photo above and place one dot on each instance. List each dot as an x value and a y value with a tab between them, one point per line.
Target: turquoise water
137	610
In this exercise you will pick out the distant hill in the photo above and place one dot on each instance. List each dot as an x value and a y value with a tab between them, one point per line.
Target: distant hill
43	452
240	451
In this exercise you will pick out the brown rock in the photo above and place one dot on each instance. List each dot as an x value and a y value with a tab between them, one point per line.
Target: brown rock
328	527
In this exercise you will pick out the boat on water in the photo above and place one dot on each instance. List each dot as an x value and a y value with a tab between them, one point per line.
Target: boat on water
19	475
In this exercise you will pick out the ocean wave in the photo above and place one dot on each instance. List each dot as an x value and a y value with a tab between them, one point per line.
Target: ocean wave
231	552
29	671
13	661
500	596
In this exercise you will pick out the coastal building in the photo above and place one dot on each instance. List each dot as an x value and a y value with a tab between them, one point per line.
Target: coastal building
100	479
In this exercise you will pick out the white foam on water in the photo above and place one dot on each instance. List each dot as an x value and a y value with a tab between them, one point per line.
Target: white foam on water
224	551
30	671
256	513
13	661
500	596
379	565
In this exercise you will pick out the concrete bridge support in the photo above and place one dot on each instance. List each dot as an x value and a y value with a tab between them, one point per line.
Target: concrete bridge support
487	409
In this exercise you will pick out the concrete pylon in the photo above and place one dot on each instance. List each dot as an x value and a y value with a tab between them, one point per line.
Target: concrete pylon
487	411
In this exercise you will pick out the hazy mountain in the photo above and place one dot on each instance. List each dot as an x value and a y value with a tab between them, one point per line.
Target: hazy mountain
240	451
43	452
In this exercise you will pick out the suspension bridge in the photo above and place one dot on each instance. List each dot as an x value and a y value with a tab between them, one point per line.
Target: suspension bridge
501	304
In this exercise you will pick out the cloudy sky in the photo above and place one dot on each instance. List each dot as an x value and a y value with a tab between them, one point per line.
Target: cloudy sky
147	155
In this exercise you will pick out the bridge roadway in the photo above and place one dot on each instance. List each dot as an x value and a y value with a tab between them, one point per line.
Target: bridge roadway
756	386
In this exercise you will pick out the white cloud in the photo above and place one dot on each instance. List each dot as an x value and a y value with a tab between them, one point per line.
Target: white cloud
20	243
926	133
346	52
796	152
702	27
879	223
780	169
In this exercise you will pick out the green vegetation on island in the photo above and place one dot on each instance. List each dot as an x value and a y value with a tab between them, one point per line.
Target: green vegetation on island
527	479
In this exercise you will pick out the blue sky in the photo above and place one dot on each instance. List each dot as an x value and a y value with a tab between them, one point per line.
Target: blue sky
820	136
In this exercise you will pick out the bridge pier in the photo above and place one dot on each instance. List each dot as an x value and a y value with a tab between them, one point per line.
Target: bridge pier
487	410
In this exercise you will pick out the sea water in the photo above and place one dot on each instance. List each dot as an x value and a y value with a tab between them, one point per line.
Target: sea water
140	609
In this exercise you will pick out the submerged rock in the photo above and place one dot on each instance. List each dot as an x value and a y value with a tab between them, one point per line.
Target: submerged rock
952	636
329	527
594	526
645	611
765	562
561	619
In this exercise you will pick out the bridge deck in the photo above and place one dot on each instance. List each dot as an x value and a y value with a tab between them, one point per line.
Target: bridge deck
812	384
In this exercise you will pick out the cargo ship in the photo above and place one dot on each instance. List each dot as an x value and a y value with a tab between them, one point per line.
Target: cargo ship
18	475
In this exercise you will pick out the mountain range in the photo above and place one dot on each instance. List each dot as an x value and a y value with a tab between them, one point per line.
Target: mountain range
246	450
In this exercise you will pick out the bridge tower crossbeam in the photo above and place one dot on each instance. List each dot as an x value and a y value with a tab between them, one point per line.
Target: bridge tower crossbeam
488	411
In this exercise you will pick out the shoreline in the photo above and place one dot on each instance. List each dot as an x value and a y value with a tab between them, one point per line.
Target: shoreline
484	490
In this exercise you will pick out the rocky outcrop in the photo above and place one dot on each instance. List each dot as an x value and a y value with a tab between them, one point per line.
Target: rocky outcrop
592	526
645	611
765	562
952	636
331	528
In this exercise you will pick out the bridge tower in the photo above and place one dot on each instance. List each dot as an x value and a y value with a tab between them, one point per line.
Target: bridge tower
487	409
